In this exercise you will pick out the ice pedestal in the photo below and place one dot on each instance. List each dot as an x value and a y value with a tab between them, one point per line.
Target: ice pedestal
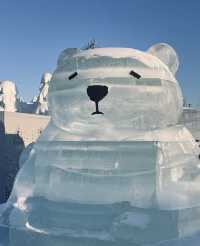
116	224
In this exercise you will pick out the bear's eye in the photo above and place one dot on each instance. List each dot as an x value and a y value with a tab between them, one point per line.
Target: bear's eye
73	75
134	74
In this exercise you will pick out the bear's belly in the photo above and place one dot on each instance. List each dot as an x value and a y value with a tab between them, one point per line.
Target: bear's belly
96	172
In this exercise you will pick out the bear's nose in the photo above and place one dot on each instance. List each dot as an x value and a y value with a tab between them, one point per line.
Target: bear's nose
96	93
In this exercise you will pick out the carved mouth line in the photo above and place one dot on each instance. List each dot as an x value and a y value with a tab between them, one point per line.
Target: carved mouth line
97	109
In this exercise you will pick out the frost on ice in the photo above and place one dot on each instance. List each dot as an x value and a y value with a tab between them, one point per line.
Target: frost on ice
113	167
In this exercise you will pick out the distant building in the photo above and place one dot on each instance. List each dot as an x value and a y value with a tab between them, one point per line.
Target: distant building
191	119
17	130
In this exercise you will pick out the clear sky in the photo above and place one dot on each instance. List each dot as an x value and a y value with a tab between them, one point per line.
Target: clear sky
33	32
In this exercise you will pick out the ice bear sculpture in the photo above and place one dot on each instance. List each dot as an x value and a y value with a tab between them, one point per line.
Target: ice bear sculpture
113	167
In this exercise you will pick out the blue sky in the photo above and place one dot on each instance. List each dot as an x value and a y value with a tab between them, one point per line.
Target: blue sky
32	34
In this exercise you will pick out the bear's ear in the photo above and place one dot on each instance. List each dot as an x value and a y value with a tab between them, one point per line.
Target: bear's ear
166	54
66	54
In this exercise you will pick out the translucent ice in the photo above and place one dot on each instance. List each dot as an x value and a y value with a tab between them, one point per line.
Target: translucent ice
113	167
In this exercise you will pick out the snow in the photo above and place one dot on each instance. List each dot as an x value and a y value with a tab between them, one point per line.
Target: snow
41	102
10	100
8	94
118	53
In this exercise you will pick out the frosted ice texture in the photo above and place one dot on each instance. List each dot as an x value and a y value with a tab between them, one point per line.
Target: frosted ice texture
115	178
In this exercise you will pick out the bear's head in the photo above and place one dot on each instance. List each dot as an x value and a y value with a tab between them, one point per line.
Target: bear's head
103	90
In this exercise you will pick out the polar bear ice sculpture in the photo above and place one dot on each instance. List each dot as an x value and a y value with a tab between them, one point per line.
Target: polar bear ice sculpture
115	177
